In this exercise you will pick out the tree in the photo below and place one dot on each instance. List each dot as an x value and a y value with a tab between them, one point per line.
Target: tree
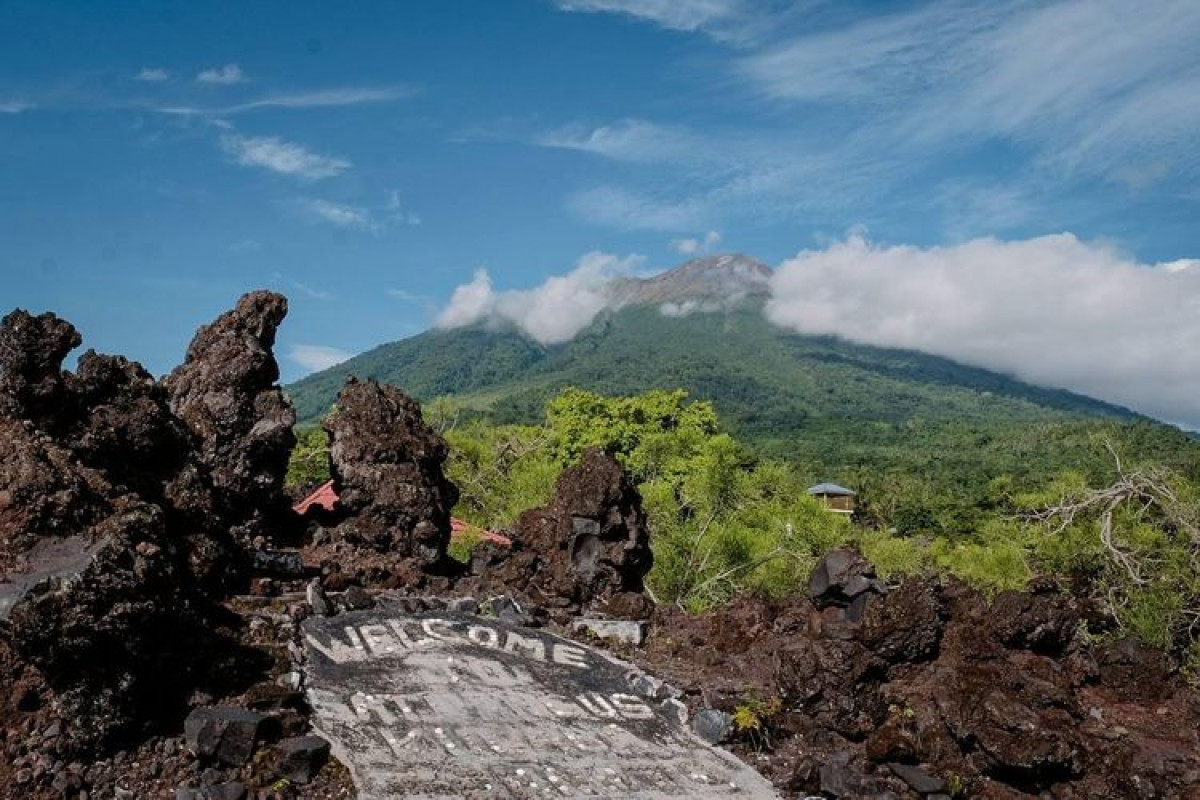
1137	540
309	461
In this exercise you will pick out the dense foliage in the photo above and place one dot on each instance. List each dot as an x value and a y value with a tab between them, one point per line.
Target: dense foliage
725	520
926	439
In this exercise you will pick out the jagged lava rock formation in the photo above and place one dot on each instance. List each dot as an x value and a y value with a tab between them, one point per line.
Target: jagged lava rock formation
588	549
937	692
226	393
387	470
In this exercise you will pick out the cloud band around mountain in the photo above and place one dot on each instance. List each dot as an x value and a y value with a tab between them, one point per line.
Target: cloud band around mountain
1051	310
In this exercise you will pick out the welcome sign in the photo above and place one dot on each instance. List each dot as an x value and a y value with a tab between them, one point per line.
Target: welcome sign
444	705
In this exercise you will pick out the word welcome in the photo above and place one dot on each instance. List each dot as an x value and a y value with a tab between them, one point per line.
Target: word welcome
397	637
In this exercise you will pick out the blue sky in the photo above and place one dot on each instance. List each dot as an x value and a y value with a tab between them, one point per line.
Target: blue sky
159	158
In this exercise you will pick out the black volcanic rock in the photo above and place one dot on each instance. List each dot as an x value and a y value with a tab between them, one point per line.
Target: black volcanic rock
117	495
589	548
110	631
387	469
32	349
226	394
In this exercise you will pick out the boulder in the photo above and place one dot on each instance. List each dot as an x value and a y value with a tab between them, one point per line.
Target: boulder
712	725
126	428
116	497
841	578
588	548
43	491
629	631
221	791
918	779
908	627
387	467
227	735
300	757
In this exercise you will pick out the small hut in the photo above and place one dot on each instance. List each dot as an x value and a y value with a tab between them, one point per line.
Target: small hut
837	499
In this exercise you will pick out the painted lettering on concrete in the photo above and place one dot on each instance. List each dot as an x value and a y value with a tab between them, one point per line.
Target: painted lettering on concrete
446	705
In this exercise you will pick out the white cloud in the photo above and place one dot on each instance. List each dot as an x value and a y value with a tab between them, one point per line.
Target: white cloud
222	76
396	213
407	296
1181	264
244	246
152	75
321	98
632	140
553	312
14	106
470	303
1051	310
721	19
1087	85
691	247
316	357
620	208
343	216
286	158
688	307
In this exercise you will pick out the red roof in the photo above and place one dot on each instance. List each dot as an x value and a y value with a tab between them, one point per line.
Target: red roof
326	497
460	528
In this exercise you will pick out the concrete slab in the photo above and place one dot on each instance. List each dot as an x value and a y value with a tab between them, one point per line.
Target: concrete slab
623	630
447	705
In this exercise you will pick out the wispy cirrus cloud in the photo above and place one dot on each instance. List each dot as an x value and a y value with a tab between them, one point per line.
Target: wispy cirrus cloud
152	75
282	157
227	75
319	98
306	289
1082	85
341	215
861	106
407	296
690	246
636	141
725	20
14	106
373	219
616	207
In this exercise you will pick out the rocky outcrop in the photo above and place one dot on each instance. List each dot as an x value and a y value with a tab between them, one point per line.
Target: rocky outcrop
109	633
125	427
387	470
938	690
115	510
43	491
32	349
226	393
588	549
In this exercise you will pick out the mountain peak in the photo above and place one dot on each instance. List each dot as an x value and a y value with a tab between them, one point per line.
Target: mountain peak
719	278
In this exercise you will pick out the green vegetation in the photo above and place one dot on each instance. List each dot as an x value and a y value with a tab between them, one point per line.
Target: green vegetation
959	471
754	719
725	521
928	442
309	463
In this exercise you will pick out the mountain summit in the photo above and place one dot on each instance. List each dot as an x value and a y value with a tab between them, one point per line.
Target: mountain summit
720	279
